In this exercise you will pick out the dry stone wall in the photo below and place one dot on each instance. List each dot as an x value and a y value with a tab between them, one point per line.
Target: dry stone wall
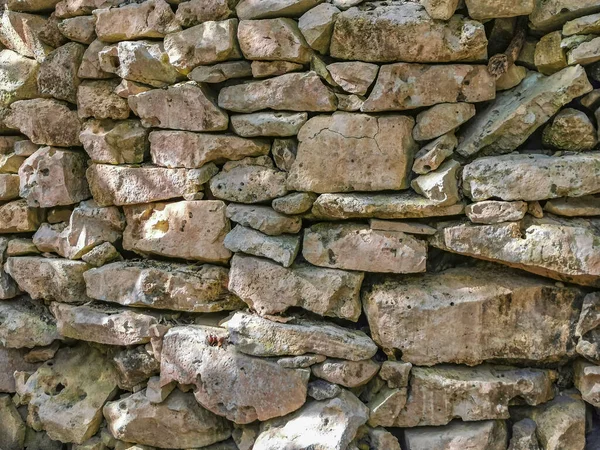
299	225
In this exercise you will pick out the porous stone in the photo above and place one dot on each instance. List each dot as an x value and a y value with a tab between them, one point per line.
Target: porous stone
18	77
208	43
26	323
353	246
79	29
440	9
161	228
229	383
186	106
282	249
50	279
9	186
149	19
574	206
485	435
12	428
220	72
292	92
90	64
265	69
258	336
371	153
262	9
194	12
316	26
45	122
323	390
523	436
263	219
404	227
441	119
115	142
516	114
101	255
57	76
493	211
70	389
179	421
571	130
249	184
191	150
18	217
161	285
426	85
432	155
551	15
408	315
381	34
332	425
21	33
294	203
350	374
97	99
134	366
440	185
550	56
278	124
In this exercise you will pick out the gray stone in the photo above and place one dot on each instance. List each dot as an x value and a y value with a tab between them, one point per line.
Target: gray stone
523	436
278	124
26	323
262	9
323	390
588	205
134	366
263	219
115	142
316	26
350	374
296	362
395	373
294	203
249	184
485	435
219	72
58	72
493	211
404	227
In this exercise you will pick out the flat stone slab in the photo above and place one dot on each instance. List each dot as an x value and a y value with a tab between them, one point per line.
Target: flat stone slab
484	435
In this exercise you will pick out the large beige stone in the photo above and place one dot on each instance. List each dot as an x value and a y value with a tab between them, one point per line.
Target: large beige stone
404	86
26	323
191	150
115	142
249	184
18	217
473	314
369	153
485	435
160	285
18	77
70	389
54	177
58	72
277	124
227	382
177	422
45	122
98	99
588	205
551	15
269	288
31	5
186	106
353	246
173	230
517	113
406	205
553	247
263	9
129	185
439	394
21	33
405	32
149	19
255	335
532	177
326	425
292	92
51	279
194	12
486	9
13	360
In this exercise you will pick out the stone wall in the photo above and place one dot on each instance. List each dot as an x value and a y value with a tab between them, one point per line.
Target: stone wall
299	225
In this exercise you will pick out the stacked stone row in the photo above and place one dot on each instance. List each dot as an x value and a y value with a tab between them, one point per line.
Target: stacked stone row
298	224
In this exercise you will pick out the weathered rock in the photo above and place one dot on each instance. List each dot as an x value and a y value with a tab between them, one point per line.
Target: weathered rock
486	435
21	33
532	177
90	64
587	381
485	9
294	203
31	5
48	278
323	390
79	29
588	205
511	78
19	247
585	52
114	142
383	33
404	227
13	360
434	154
441	119
428	85
353	77
9	186
332	425
194	12
263	9
145	62
258	336
440	9
186	106
372	153
249	184
75	8
220	72
439	394
97	99
269	288
346	373
25	148
149	19
177	422
207	43
18	77
228	383
53	177
101	255
265	69
492	211
58	72
571	130
104	324
45	122
12	427
158	394
128	185
282	249
134	366
161	228
517	113
523	436
352	246
264	219
154	284
26	323
70	389
50	34
440	185
561	249
408	315
279	124
293	92
316	26
191	150
548	16
18	217
10	163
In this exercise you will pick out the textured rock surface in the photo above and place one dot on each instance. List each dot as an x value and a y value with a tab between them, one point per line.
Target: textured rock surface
485	435
26	323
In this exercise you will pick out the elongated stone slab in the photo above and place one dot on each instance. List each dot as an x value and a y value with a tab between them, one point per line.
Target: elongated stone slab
263	219
405	32
263	9
484	435
473	314
551	15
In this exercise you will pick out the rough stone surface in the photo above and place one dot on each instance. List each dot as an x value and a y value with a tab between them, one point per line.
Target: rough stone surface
194	12
278	124
18	217
574	206
219	72
58	72
493	211
249	184
317	24
18	77
346	373
97	99
440	185
548	16
22	32
485	435
442	119
282	249
263	219
262	9
26	323
114	142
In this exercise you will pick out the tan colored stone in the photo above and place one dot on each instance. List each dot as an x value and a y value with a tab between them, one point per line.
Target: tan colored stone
440	185
161	228
79	29
58	72
9	187
405	32
294	203
582	25
177	422
220	72
26	323
265	69
97	99
18	217
485	435
101	255
470	315
571	130
12	427
277	124
249	184
350	103
426	85
21	32
18	77
135	365
263	9
395	373
354	77
10	163
350	374
493	211
115	142
263	219
552	15
149	19
550	57
282	249
21	247
90	64
441	119
45	122
195	12
207	43
186	106
25	148
486	9
432	155
588	205
404	227
511	78
587	381
31	5
317	24
440	9
262	390
75	8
